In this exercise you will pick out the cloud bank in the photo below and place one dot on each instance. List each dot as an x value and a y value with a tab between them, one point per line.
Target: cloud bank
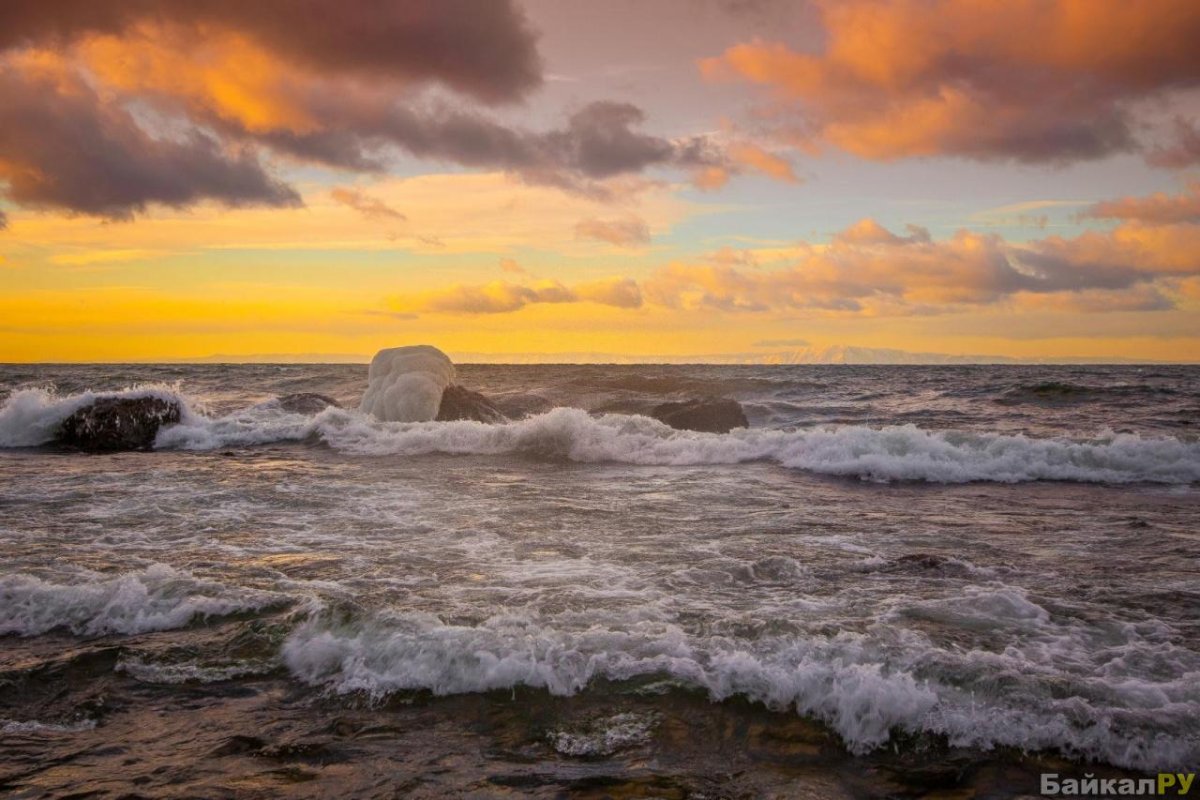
1148	262
110	107
1038	81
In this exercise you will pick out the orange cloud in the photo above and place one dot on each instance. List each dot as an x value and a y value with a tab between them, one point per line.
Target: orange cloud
868	270
211	87
1157	209
1033	80
617	291
758	159
499	297
629	231
370	207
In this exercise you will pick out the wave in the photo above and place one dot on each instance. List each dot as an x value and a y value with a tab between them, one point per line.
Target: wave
1065	393
31	417
11	727
866	686
892	453
156	598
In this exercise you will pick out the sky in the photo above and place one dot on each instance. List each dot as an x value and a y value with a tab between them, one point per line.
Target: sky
573	180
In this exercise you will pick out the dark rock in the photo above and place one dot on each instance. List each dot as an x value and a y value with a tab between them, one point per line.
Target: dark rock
520	406
709	414
239	744
306	403
922	560
460	403
112	424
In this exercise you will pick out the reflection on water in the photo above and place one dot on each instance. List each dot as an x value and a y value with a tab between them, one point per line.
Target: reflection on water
298	616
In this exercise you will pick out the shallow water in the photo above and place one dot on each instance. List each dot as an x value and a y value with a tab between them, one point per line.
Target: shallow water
898	579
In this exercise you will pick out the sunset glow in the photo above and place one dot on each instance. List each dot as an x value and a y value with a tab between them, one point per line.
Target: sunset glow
549	180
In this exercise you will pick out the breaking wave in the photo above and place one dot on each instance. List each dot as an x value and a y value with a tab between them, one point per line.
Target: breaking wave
31	417
891	453
153	599
865	686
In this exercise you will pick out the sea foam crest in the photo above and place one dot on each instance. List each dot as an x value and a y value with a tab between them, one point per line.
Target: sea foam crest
153	599
31	417
1136	712
900	452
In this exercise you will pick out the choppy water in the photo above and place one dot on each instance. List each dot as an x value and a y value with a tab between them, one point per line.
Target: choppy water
983	569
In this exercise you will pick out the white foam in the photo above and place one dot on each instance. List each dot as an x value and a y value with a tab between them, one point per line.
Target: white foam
30	417
33	727
173	673
153	599
900	452
1057	684
604	736
405	384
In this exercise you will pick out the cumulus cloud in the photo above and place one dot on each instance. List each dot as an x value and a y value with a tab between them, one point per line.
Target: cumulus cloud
486	50
61	146
630	231
370	207
1048	81
511	266
770	164
499	297
347	87
617	291
1157	209
868	269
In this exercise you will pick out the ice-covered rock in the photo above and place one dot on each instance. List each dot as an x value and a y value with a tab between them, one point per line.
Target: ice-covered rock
405	384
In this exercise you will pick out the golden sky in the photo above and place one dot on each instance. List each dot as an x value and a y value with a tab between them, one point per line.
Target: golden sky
560	180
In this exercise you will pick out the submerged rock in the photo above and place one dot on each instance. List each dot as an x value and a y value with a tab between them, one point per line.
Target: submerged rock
709	415
112	424
307	403
460	403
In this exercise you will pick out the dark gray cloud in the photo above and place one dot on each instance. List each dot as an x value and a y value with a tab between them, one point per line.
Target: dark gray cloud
1183	151
484	48
63	147
599	141
365	82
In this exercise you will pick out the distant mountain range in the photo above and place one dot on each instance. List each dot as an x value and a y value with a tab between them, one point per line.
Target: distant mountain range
807	354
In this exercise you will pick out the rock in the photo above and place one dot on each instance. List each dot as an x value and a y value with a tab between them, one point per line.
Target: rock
306	403
405	384
709	414
922	560
460	403
520	406
112	424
